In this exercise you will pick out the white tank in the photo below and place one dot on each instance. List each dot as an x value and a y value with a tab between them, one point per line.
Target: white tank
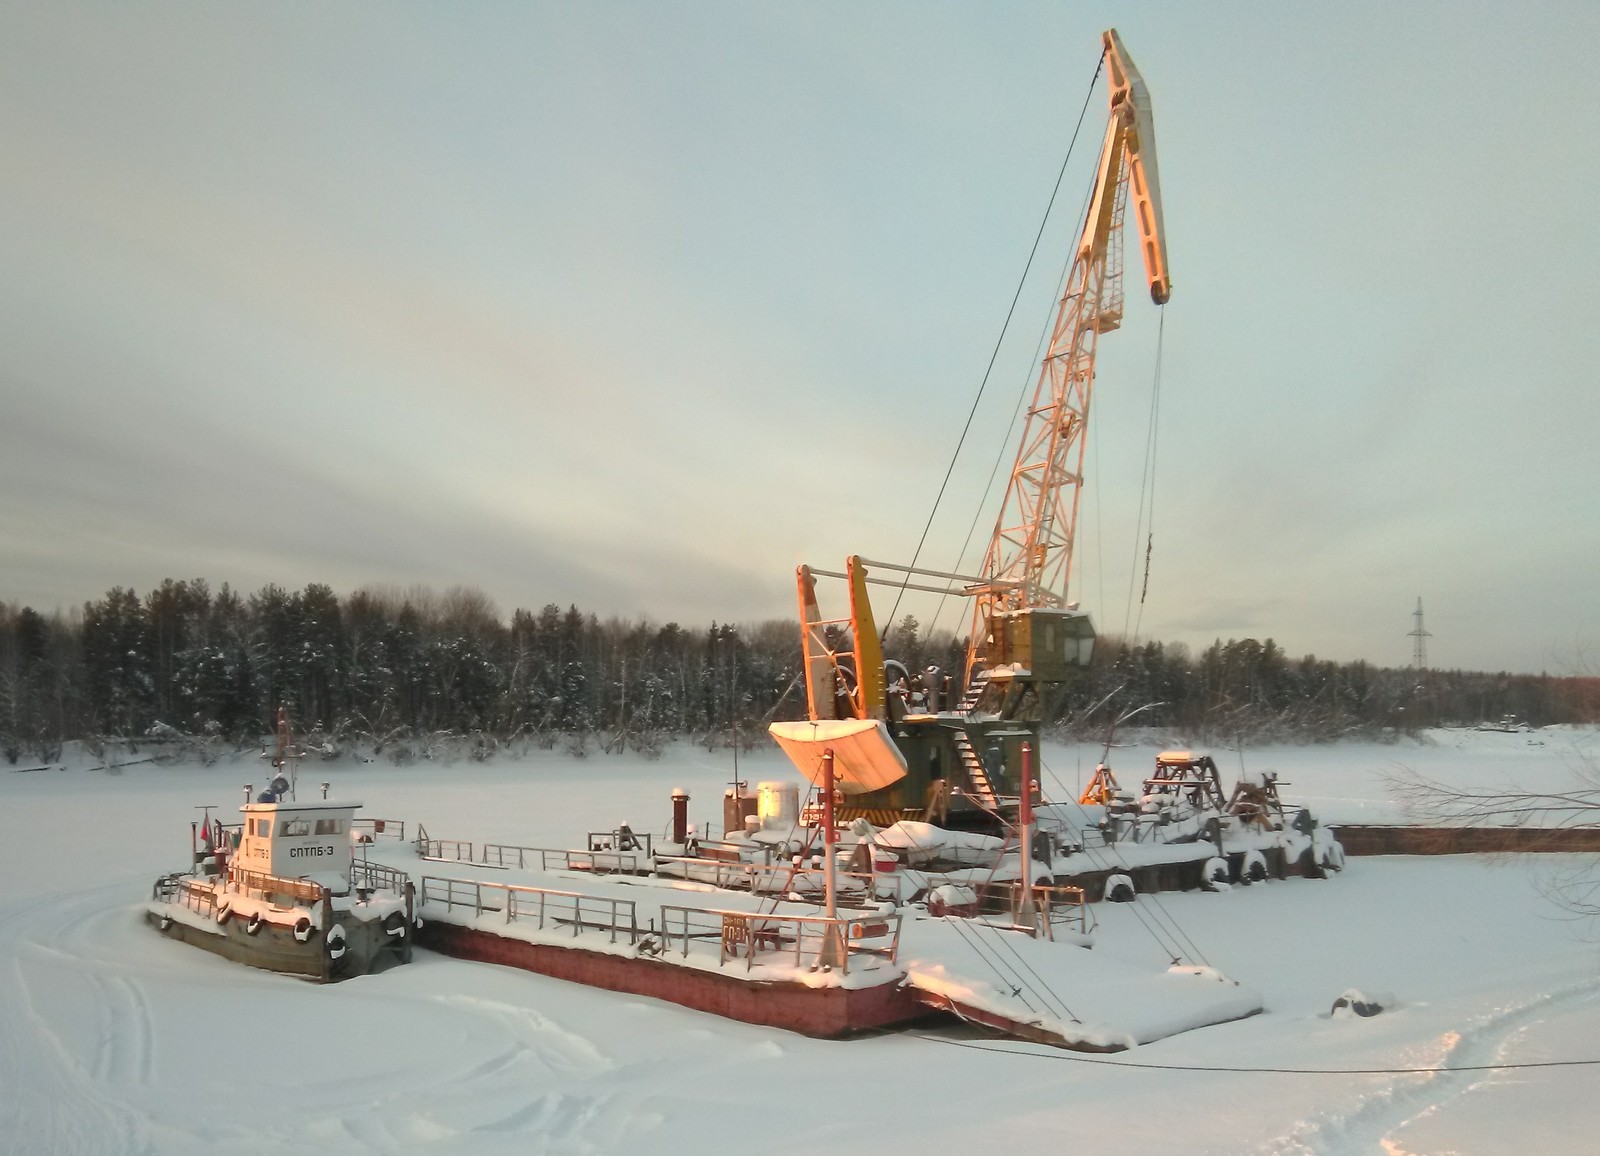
778	805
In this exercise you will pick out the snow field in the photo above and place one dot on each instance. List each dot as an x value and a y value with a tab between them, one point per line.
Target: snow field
115	1040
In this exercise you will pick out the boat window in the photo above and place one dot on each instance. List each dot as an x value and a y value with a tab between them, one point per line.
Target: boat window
292	827
330	826
263	828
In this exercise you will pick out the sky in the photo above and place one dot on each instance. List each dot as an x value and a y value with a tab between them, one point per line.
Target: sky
637	306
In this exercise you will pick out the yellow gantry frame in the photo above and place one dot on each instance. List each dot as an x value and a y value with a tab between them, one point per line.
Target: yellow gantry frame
822	669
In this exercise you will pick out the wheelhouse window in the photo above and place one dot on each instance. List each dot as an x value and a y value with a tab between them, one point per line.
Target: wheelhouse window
295	827
330	826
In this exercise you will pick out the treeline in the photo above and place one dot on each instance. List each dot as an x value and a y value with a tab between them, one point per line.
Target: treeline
380	665
1251	691
387	666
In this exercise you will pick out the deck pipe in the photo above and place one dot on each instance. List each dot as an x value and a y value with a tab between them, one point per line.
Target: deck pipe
1027	913
833	949
680	816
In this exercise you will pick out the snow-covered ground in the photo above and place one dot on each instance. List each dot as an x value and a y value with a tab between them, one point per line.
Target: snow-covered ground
113	1039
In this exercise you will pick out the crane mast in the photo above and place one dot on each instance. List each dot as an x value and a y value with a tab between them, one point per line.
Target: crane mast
1028	564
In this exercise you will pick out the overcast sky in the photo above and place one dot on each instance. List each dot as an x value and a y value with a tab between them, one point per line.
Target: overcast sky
636	306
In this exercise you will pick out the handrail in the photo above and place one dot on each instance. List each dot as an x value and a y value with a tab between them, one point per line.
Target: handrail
1060	904
595	862
435	849
619	840
726	873
191	893
388	828
807	935
302	889
575	908
368	875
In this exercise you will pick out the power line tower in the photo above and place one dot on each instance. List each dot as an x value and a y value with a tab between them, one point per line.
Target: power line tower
1419	652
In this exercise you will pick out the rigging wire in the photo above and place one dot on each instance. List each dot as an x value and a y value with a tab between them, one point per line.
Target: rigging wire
971	413
1232	1070
1015	982
1029	377
1176	937
1043	992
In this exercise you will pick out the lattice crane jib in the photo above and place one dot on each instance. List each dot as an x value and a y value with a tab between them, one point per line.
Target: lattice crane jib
1029	562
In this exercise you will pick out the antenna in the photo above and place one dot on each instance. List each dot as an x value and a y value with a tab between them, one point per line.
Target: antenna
1419	652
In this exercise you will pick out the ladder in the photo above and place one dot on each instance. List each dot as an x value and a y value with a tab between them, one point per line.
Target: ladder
975	689
980	788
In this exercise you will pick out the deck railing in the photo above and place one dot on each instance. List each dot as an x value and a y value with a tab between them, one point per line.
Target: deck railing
300	890
1060	905
779	938
199	897
459	850
559	859
369	876
540	905
761	877
623	840
509	855
381	828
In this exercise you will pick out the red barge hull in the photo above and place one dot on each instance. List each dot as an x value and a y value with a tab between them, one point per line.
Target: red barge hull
826	1012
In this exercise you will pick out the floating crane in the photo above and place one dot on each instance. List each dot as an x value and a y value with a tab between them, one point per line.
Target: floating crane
914	744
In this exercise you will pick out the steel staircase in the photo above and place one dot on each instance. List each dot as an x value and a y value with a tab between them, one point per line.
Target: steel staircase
979	786
975	689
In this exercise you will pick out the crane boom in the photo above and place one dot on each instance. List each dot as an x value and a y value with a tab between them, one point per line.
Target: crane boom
909	743
1028	564
1130	103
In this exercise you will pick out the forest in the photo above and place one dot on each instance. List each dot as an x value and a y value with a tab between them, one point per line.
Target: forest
390	667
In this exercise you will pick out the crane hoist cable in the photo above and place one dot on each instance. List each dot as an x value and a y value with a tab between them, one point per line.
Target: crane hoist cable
1147	487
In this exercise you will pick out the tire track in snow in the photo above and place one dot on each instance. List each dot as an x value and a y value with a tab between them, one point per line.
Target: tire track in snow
137	1041
65	1100
1366	1128
536	1035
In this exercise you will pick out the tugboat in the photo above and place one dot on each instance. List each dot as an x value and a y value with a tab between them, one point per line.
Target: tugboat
284	891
